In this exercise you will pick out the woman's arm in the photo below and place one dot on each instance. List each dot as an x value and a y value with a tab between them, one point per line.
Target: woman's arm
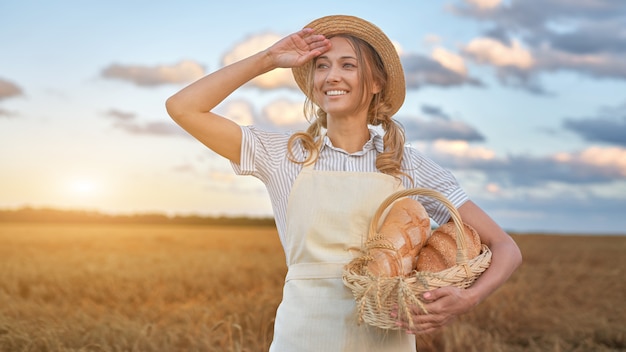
446	303
192	107
506	256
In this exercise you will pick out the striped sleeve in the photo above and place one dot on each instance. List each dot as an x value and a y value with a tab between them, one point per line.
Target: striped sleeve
246	159
261	152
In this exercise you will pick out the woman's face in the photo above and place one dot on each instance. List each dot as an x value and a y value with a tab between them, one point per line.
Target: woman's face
338	90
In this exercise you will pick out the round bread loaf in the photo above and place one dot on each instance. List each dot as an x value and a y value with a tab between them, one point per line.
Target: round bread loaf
403	233
439	253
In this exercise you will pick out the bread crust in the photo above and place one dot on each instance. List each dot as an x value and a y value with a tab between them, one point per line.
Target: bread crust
439	253
403	233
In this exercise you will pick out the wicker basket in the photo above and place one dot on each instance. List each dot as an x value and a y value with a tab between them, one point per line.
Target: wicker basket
377	296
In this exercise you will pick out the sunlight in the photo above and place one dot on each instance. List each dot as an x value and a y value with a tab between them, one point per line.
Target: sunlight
82	187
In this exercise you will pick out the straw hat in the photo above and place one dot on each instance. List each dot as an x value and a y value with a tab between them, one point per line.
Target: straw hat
330	26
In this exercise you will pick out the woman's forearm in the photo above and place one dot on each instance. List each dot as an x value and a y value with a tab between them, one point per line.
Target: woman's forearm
192	107
506	256
205	94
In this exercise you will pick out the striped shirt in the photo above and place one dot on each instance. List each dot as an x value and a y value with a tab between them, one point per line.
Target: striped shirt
264	155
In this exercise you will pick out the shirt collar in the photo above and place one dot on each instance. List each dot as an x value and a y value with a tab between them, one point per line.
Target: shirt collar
375	142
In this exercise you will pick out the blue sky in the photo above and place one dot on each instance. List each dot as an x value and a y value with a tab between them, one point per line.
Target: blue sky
525	101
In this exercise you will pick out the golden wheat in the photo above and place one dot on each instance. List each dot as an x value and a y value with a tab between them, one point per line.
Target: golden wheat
197	288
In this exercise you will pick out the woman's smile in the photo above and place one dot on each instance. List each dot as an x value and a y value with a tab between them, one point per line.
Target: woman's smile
336	92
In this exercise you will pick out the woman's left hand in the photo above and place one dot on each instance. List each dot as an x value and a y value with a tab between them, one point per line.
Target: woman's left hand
443	305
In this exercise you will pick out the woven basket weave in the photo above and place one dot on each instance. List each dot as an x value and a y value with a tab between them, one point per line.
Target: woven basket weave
377	296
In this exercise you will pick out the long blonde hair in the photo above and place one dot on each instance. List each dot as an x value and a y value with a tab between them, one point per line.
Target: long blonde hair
370	71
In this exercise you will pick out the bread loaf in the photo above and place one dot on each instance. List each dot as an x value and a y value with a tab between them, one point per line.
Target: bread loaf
402	234
439	253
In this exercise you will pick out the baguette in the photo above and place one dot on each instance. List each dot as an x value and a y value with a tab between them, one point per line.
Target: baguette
402	234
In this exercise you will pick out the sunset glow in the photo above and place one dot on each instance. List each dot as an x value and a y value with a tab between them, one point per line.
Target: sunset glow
83	187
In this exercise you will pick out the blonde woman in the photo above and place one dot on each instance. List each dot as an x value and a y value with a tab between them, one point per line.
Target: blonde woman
325	183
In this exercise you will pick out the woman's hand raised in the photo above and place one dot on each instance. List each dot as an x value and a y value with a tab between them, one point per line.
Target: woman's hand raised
298	48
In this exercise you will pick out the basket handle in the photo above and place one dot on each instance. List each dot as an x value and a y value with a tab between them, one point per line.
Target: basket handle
461	252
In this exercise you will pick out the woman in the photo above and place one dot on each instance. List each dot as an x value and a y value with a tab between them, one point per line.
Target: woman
326	183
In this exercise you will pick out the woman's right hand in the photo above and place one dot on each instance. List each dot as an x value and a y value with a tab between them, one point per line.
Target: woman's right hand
298	48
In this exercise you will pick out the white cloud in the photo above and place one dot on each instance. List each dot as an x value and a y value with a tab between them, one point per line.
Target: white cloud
494	52
609	158
462	149
280	77
183	72
449	60
398	47
252	45
274	79
485	4
239	111
284	113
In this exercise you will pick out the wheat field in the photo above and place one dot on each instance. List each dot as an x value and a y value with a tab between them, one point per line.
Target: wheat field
69	287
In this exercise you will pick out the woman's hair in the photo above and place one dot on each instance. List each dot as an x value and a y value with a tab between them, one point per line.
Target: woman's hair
371	70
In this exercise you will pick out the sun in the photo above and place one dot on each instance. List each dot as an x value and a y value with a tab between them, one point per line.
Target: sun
83	187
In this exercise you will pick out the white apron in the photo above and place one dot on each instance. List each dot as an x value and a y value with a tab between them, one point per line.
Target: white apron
328	216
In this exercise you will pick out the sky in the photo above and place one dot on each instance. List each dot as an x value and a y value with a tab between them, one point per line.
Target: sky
523	100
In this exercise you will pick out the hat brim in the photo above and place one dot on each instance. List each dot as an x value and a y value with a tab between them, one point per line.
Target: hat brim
330	26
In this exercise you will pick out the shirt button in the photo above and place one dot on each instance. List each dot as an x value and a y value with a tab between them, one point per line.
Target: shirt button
350	166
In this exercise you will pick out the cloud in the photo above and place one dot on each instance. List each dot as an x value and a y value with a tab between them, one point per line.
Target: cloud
590	38
277	115
485	4
599	65
6	113
587	37
438	125
536	15
285	113
434	111
571	209
572	168
594	165
494	52
9	89
449	60
184	168
609	161
460	154
158	128
609	126
278	78
421	70
418	129
120	115
240	111
514	64
126	121
182	72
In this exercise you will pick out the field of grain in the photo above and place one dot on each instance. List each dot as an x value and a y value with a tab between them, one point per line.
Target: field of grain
197	288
